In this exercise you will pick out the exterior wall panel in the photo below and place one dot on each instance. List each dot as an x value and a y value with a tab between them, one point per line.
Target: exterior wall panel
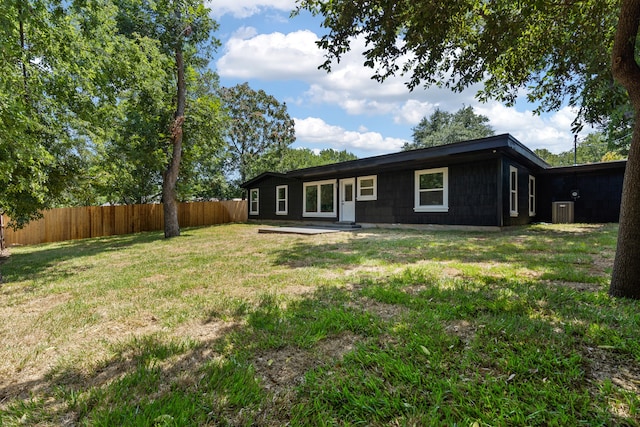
524	172
600	193
472	198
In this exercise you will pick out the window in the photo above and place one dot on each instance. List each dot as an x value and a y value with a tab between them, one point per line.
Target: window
532	195
367	188
253	201
432	190
513	191
282	193
320	199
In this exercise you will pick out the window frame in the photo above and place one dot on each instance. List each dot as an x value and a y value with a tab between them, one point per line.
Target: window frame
319	213
368	197
513	191
255	191
285	199
532	195
444	207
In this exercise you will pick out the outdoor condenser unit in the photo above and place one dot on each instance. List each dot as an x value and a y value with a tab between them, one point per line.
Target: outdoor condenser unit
562	212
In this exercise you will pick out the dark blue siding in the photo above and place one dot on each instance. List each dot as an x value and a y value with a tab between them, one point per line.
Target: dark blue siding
600	193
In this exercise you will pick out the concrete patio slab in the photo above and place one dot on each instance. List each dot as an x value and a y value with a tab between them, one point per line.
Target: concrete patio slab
309	231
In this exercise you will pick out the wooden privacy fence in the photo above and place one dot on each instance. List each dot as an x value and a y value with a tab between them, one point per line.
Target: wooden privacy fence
96	221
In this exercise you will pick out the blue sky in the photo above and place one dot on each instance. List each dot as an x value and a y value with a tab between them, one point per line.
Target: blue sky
345	109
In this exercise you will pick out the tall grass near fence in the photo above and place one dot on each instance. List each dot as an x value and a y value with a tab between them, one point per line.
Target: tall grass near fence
62	224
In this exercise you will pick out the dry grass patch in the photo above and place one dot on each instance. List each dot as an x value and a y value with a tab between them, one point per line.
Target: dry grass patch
225	326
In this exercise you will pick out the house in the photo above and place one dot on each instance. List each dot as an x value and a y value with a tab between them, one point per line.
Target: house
493	182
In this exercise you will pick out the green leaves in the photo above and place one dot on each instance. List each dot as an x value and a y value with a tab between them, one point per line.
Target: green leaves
86	97
41	120
260	130
553	52
443	128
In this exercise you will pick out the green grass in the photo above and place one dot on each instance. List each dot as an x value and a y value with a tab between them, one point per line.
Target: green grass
225	326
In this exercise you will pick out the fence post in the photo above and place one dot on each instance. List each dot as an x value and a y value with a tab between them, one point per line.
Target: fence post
1	232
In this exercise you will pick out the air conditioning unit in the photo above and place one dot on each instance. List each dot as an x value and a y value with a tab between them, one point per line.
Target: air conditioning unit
562	212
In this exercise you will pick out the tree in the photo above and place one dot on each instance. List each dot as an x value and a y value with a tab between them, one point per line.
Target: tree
618	130
625	279
300	158
44	104
443	128
125	75
594	148
128	165
202	171
183	30
582	53
260	129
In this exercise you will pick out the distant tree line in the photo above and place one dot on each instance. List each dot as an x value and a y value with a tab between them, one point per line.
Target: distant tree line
592	149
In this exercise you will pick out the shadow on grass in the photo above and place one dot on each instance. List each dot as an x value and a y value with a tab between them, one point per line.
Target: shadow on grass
32	265
38	263
420	349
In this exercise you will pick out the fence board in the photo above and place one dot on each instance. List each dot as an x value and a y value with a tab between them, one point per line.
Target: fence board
1	233
97	221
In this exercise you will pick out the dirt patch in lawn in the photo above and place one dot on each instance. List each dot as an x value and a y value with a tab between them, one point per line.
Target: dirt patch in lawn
382	310
282	370
578	286
606	364
463	329
207	331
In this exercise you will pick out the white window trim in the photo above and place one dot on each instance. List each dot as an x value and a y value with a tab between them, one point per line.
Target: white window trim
374	196
445	191
257	192
318	214
286	200
513	207
532	195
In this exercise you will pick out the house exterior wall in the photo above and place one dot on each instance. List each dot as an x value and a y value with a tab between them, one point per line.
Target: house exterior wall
472	194
523	172
600	193
267	199
489	182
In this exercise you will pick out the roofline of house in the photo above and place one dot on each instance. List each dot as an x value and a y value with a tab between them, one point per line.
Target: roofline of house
500	142
587	167
492	142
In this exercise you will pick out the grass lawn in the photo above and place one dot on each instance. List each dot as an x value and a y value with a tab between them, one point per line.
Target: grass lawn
225	326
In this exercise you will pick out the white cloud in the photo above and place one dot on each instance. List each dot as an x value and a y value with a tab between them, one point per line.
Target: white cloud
312	132
244	33
247	8
412	111
295	56
552	132
278	57
274	56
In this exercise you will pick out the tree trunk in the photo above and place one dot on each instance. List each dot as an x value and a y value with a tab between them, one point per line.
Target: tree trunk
170	175
25	59
625	280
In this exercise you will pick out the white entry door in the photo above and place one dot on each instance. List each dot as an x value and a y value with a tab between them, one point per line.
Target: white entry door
348	200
